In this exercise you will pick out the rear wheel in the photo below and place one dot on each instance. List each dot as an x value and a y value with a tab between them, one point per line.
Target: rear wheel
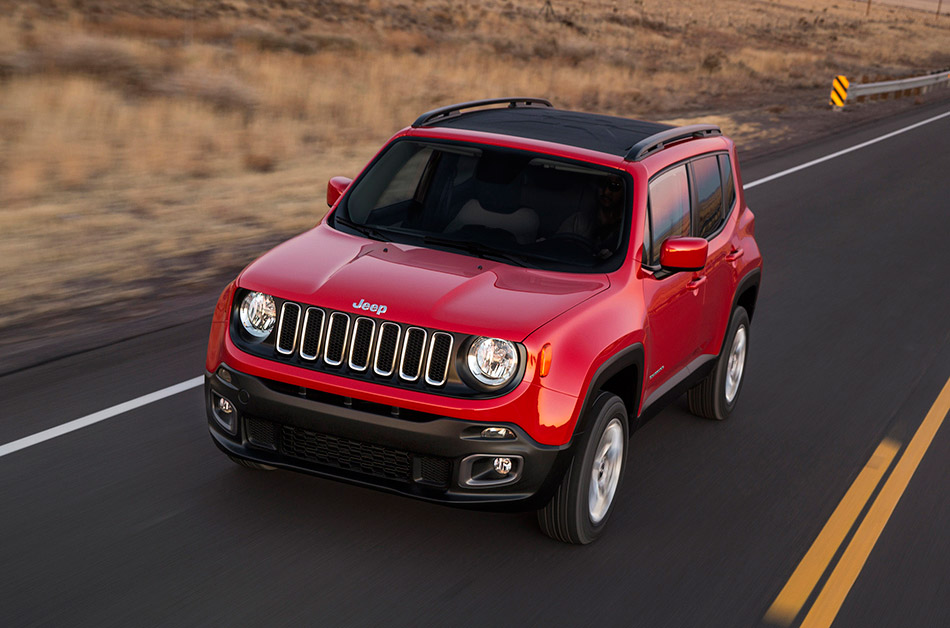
250	464
580	507
716	395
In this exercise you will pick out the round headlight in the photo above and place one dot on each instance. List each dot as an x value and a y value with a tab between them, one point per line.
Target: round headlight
258	314
492	361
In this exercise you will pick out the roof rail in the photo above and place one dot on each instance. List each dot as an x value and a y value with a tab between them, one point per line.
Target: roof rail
658	141
454	110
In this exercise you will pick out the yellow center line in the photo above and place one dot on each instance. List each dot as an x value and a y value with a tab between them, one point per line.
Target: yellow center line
796	591
842	578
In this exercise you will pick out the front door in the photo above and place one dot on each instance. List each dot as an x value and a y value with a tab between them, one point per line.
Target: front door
674	301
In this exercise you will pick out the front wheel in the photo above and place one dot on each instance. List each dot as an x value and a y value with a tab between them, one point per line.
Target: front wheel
716	395
580	507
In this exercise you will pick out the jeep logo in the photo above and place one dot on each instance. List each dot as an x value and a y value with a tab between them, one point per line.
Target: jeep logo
372	307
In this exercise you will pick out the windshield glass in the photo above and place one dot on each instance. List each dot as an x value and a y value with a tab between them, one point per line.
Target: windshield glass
512	206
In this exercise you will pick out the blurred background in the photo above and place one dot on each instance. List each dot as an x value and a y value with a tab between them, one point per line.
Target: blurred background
150	149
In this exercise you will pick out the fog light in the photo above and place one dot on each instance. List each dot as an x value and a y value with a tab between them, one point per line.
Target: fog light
224	406
497	432
224	413
502	466
486	470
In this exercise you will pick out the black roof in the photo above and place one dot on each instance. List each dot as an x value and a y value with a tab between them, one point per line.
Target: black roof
606	134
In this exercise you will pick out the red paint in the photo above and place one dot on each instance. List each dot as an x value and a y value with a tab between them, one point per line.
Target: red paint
684	253
583	320
335	189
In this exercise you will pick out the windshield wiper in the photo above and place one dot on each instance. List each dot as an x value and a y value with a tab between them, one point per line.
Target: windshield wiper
385	234
477	249
374	233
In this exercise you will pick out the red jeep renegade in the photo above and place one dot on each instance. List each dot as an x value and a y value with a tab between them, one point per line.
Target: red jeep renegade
490	309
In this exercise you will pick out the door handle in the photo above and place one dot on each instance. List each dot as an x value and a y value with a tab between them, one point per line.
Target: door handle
696	283
735	255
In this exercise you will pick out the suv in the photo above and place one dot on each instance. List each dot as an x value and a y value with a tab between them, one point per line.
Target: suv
489	310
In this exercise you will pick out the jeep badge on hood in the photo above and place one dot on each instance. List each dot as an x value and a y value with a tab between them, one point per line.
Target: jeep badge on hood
372	307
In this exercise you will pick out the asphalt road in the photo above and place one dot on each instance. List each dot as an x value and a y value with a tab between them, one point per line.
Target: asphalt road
139	520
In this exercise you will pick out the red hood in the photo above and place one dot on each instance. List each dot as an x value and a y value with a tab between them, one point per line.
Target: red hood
421	286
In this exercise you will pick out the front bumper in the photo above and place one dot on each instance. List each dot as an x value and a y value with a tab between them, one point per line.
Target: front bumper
418	454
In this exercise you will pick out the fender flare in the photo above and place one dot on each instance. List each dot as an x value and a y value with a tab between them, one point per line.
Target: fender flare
632	355
753	278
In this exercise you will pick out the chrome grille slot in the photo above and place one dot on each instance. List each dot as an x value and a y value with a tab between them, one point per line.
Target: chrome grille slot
362	343
413	347
311	333
337	332
387	345
440	350
288	327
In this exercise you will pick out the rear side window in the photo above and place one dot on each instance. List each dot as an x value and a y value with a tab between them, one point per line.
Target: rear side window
669	209
728	183
708	184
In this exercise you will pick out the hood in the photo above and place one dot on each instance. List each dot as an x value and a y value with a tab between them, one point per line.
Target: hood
416	285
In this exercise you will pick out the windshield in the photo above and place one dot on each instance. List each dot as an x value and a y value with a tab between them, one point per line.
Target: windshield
516	207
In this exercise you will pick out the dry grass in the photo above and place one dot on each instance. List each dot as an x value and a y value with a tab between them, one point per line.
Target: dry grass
145	146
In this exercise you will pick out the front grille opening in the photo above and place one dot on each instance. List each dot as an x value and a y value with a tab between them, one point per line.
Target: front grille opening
440	349
346	454
363	347
412	348
287	329
386	348
362	343
312	333
337	333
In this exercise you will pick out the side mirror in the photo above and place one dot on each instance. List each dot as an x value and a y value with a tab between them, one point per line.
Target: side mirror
335	189
684	254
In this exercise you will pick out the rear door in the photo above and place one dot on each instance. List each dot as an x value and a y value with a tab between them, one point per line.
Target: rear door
713	196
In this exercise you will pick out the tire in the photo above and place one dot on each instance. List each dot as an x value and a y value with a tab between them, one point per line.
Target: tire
582	503
716	395
249	464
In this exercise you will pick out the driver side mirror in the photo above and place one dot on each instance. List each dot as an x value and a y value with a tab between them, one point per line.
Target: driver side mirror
335	189
684	253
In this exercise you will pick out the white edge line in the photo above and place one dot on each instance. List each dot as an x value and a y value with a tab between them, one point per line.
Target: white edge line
102	415
814	162
158	395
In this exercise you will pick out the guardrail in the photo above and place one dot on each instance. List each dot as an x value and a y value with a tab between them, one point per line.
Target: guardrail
843	91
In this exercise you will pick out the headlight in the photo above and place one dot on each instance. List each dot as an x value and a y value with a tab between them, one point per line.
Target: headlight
258	314
492	361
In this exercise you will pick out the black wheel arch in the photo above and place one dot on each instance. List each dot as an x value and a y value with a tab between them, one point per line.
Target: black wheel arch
746	295
747	292
620	374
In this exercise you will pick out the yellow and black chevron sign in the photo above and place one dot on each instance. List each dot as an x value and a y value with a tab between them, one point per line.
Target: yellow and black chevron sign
839	91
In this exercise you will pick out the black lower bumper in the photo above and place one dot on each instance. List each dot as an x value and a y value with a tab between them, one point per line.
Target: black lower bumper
421	455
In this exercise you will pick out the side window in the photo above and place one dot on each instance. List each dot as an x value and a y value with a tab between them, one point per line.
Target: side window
728	183
708	184
669	209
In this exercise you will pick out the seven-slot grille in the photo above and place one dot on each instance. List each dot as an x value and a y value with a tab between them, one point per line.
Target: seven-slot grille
362	343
